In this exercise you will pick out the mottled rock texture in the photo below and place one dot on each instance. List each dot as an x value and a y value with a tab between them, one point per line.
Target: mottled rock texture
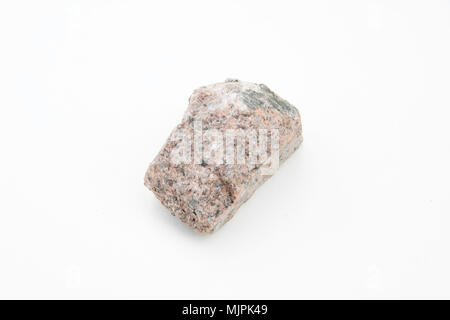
206	195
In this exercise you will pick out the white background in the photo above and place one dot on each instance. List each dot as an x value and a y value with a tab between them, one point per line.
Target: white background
90	90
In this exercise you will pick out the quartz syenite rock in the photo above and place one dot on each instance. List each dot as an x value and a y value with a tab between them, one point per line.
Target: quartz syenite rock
206	195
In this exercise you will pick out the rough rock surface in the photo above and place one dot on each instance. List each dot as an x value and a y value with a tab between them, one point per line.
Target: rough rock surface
205	195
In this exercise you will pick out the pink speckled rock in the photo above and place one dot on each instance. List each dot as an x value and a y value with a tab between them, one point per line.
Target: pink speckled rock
205	189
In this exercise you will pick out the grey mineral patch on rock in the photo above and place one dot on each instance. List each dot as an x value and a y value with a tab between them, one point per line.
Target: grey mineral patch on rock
266	98
205	196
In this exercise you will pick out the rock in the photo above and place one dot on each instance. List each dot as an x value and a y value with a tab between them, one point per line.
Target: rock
231	139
